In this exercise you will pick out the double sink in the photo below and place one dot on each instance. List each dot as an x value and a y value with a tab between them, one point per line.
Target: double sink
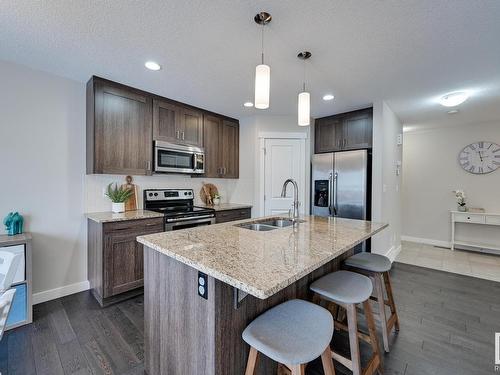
265	225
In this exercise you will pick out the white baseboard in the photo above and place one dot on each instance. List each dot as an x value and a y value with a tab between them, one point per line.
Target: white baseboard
426	241
393	253
66	290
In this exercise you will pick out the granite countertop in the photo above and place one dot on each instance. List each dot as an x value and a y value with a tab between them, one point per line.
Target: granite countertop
225	206
107	217
262	263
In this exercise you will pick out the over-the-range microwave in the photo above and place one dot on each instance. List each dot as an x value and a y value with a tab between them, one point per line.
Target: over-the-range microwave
172	158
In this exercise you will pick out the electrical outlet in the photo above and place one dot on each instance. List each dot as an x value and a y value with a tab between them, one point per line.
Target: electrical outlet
202	285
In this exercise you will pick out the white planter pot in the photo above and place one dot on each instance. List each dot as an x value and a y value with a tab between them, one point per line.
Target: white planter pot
118	207
216	200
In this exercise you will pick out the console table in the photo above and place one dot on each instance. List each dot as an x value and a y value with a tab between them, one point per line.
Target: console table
481	218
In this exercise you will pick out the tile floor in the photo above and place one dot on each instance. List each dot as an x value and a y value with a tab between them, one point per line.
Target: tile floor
483	266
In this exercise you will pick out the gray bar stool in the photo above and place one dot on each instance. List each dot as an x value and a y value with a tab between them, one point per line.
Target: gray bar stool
347	289
293	334
377	267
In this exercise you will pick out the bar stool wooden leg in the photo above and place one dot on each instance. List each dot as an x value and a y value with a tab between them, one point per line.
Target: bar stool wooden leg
375	362
298	370
390	297
379	291
252	361
352	323
326	360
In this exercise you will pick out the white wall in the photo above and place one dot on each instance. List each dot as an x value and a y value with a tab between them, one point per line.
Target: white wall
250	153
95	201
42	153
386	184
431	172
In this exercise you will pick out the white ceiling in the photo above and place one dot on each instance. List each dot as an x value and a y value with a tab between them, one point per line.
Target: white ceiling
406	52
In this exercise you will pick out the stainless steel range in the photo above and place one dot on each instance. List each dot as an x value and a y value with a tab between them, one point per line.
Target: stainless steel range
178	207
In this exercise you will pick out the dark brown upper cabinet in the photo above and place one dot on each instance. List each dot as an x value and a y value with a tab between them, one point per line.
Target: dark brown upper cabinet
222	138
177	124
123	122
345	131
118	129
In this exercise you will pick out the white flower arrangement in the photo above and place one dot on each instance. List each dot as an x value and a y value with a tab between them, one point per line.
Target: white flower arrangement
461	197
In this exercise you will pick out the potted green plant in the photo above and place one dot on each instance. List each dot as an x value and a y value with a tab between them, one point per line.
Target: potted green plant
118	197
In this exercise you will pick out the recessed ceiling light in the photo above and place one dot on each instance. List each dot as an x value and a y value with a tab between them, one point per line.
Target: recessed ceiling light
452	112
328	97
151	65
453	99
248	104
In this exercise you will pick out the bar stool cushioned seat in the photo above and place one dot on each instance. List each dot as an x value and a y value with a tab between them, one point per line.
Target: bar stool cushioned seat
369	262
344	287
293	332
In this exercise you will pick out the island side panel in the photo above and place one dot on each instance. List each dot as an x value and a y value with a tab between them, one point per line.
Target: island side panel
231	351
179	324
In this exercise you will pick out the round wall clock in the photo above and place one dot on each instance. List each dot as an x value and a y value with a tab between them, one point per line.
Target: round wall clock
480	157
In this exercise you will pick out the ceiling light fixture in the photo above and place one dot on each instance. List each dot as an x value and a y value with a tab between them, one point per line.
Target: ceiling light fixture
262	71
328	97
453	99
151	65
452	112
248	104
304	107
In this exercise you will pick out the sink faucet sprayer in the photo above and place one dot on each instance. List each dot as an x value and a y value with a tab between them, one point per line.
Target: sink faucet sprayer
295	218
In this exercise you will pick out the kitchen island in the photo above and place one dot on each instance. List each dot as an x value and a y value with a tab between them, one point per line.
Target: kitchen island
244	273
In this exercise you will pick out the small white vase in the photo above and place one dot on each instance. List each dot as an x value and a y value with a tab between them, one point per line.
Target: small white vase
216	201
118	207
462	208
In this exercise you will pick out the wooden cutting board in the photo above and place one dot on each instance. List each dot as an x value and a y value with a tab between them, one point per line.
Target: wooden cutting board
207	192
131	203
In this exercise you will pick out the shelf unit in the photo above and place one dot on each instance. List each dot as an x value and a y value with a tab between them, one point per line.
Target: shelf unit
21	312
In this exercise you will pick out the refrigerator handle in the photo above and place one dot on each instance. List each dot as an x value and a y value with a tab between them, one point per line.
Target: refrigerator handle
335	188
330	188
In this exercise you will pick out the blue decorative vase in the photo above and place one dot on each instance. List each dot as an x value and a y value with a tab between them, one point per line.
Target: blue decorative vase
13	223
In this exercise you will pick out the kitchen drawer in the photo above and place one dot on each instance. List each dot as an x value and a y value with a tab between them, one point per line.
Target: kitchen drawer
232	215
469	218
142	225
493	220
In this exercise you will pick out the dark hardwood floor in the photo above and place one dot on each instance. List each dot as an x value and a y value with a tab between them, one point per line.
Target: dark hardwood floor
447	327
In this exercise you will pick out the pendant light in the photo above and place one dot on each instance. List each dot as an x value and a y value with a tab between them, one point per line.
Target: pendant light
304	107
262	71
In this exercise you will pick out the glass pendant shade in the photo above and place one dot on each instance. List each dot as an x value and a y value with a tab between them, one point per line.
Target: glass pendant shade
262	86
304	109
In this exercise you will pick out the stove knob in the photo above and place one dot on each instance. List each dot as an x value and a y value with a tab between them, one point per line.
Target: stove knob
150	194
190	193
185	193
156	194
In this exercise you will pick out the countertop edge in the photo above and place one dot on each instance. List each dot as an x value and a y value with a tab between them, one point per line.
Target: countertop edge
143	215
261	294
226	206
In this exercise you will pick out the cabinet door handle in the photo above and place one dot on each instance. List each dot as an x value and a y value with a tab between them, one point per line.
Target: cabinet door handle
345	142
338	143
224	170
148	165
182	135
177	134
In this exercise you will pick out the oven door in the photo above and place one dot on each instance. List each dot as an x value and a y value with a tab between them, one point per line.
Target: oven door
183	223
178	159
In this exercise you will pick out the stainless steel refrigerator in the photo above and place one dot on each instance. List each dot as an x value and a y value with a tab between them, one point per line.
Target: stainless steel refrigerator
340	183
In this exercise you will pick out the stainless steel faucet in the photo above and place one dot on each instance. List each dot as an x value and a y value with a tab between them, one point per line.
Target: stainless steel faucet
295	218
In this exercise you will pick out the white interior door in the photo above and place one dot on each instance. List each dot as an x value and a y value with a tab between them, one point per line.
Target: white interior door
283	159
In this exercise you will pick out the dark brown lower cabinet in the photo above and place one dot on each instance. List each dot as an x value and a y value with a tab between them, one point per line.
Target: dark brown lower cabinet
116	259
232	215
